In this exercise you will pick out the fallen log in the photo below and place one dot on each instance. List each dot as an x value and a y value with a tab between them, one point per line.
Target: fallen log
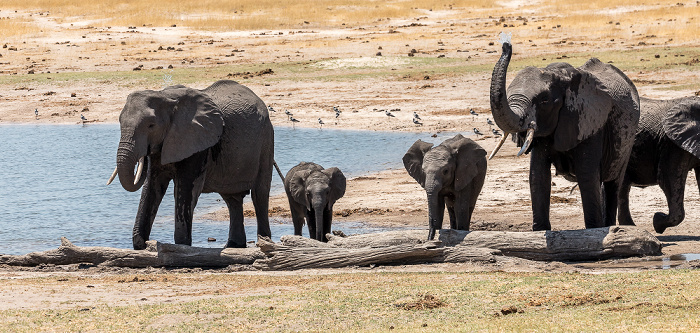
285	257
574	245
156	255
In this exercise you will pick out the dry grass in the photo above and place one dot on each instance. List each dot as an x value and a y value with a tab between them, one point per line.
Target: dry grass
16	27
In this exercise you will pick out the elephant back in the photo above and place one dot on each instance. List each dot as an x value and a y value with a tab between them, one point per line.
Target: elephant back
681	124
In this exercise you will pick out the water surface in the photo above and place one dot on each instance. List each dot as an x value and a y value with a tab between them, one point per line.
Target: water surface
53	183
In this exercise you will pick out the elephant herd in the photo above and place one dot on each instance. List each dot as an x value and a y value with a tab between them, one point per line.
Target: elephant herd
588	122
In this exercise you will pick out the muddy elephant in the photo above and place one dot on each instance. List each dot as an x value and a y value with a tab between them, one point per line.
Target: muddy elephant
666	147
312	191
452	174
218	139
581	120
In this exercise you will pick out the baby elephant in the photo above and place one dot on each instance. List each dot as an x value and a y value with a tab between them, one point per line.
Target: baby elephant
312	191
452	174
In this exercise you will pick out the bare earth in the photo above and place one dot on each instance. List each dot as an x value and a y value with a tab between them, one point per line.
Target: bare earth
389	197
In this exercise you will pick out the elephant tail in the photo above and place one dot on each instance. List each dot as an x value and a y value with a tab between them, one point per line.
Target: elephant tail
279	172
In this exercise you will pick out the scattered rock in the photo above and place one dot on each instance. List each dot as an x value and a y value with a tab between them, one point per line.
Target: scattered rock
506	310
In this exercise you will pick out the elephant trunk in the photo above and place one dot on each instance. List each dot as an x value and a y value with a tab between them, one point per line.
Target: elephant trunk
436	207
510	117
126	161
505	117
319	215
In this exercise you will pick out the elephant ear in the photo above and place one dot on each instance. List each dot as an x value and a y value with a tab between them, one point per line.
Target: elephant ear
337	185
586	108
468	155
196	123
413	160
296	183
681	124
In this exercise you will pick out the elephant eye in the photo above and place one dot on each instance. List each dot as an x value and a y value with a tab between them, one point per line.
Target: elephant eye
445	172
151	125
544	101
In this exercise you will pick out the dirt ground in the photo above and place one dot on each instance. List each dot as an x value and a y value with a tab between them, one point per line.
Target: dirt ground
48	73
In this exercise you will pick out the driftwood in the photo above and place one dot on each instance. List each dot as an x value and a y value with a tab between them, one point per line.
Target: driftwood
156	255
317	255
395	247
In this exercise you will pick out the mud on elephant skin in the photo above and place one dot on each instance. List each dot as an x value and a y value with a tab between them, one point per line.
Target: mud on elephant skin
452	175
666	147
581	120
312	191
218	139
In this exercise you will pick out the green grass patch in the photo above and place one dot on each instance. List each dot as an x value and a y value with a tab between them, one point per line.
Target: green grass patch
650	301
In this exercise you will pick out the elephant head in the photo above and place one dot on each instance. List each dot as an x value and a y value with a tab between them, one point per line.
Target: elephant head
681	124
448	167
317	189
559	101
173	123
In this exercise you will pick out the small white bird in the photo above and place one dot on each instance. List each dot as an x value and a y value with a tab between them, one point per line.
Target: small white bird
415	121
36	112
320	122
293	120
83	117
388	114
473	113
270	108
336	109
477	132
415	115
490	122
289	114
496	132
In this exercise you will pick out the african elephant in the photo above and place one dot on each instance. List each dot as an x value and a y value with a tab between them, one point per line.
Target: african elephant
452	175
218	139
666	147
312	191
582	120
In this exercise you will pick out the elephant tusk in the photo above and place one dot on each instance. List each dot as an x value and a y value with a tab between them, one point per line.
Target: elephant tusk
528	141
495	150
139	171
114	175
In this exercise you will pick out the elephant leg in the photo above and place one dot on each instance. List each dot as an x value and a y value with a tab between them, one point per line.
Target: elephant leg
260	194
236	230
189	182
154	189
461	210
450	205
672	181
540	186
311	222
298	212
612	193
474	191
327	221
587	158
624	215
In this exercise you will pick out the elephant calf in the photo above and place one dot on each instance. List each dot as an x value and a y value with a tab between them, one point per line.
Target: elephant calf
666	147
312	191
452	174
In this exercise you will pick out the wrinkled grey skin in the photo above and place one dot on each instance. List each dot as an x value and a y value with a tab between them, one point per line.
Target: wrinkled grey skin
452	175
666	147
219	139
584	120
312	191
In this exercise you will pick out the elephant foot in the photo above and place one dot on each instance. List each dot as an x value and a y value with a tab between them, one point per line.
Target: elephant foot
626	222
660	222
139	243
431	234
233	244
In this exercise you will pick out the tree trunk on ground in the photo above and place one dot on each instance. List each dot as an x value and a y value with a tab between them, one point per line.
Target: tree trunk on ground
386	248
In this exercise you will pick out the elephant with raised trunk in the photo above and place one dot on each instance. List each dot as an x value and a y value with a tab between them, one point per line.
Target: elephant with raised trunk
218	139
312	191
452	175
581	120
666	147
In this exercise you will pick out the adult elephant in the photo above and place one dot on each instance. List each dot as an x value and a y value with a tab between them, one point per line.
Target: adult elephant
219	139
666	147
582	120
312	191
452	175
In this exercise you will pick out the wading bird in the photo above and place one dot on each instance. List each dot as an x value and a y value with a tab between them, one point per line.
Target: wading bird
388	114
293	120
472	112
477	132
289	114
415	115
415	121
320	122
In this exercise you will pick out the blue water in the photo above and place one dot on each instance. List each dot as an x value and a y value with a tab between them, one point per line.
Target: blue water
52	184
